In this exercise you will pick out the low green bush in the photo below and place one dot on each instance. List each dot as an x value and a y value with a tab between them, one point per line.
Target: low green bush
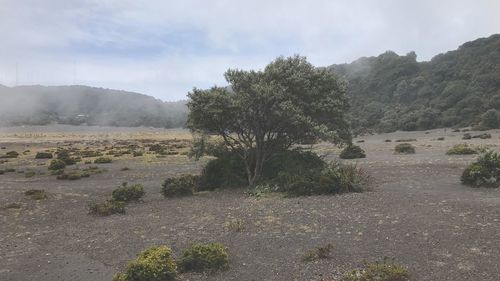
461	149
378	271
482	136
406	140
64	156
485	171
184	185
29	174
467	136
404	148
352	152
103	160
43	155
317	253
57	164
10	154
225	171
128	193
36	194
205	257
72	175
107	208
153	264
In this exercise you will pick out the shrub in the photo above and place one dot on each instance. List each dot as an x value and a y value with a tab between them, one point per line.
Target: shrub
156	147
352	152
236	225
225	171
153	264
128	193
64	156
29	174
180	186
11	154
137	153
43	155
485	171
336	178
406	140
72	175
388	140
440	139
205	257
103	160
380	271
404	148
318	253
107	208
57	164
467	136
482	136
13	205
461	149
36	194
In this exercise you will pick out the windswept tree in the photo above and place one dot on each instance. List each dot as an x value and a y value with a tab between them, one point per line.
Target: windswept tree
266	112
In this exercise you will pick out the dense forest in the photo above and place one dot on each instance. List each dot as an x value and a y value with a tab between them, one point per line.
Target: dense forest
458	88
38	105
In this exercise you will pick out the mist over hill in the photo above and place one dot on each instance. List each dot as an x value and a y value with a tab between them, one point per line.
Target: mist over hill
40	105
458	88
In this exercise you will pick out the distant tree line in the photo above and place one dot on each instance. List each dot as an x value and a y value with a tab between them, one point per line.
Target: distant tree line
77	105
458	88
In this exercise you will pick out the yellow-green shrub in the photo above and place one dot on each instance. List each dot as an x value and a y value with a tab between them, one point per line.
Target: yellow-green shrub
205	257
153	264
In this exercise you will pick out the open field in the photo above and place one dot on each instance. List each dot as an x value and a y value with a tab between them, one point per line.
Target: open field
418	212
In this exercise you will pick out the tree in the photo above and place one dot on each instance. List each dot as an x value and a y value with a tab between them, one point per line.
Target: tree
265	112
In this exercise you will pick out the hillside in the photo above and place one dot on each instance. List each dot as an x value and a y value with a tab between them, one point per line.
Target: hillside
458	88
39	105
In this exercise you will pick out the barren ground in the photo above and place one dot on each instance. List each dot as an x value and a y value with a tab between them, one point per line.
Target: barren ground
418	213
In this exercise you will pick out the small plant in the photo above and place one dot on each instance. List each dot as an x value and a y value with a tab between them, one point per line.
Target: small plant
137	153
440	139
57	164
72	175
12	206
485	171
128	193
125	169
406	140
235	225
378	271
29	174
43	155
205	257
263	189
107	208
103	160
461	149
36	194
467	136
318	253
10	154
404	148
388	140
64	156
482	136
181	186
153	264
352	152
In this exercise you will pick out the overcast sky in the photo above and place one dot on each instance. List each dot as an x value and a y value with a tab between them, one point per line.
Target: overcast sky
165	48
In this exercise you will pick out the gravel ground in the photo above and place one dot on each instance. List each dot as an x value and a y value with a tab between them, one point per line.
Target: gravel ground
418	213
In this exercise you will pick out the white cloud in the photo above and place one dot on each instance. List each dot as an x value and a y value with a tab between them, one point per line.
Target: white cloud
164	48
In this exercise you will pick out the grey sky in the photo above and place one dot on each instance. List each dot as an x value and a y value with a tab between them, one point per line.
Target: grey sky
165	48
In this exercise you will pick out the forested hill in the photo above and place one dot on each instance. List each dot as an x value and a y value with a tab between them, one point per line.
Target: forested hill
458	88
39	105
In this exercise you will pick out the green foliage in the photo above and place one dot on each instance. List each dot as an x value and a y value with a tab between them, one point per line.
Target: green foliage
352	152
404	148
64	156
181	186
467	136
317	253
265	112
57	164
485	171
455	89
406	140
29	174
335	178
128	193
153	264
43	155
10	154
103	160
36	194
228	170
461	149
205	257
72	175
107	208
378	271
